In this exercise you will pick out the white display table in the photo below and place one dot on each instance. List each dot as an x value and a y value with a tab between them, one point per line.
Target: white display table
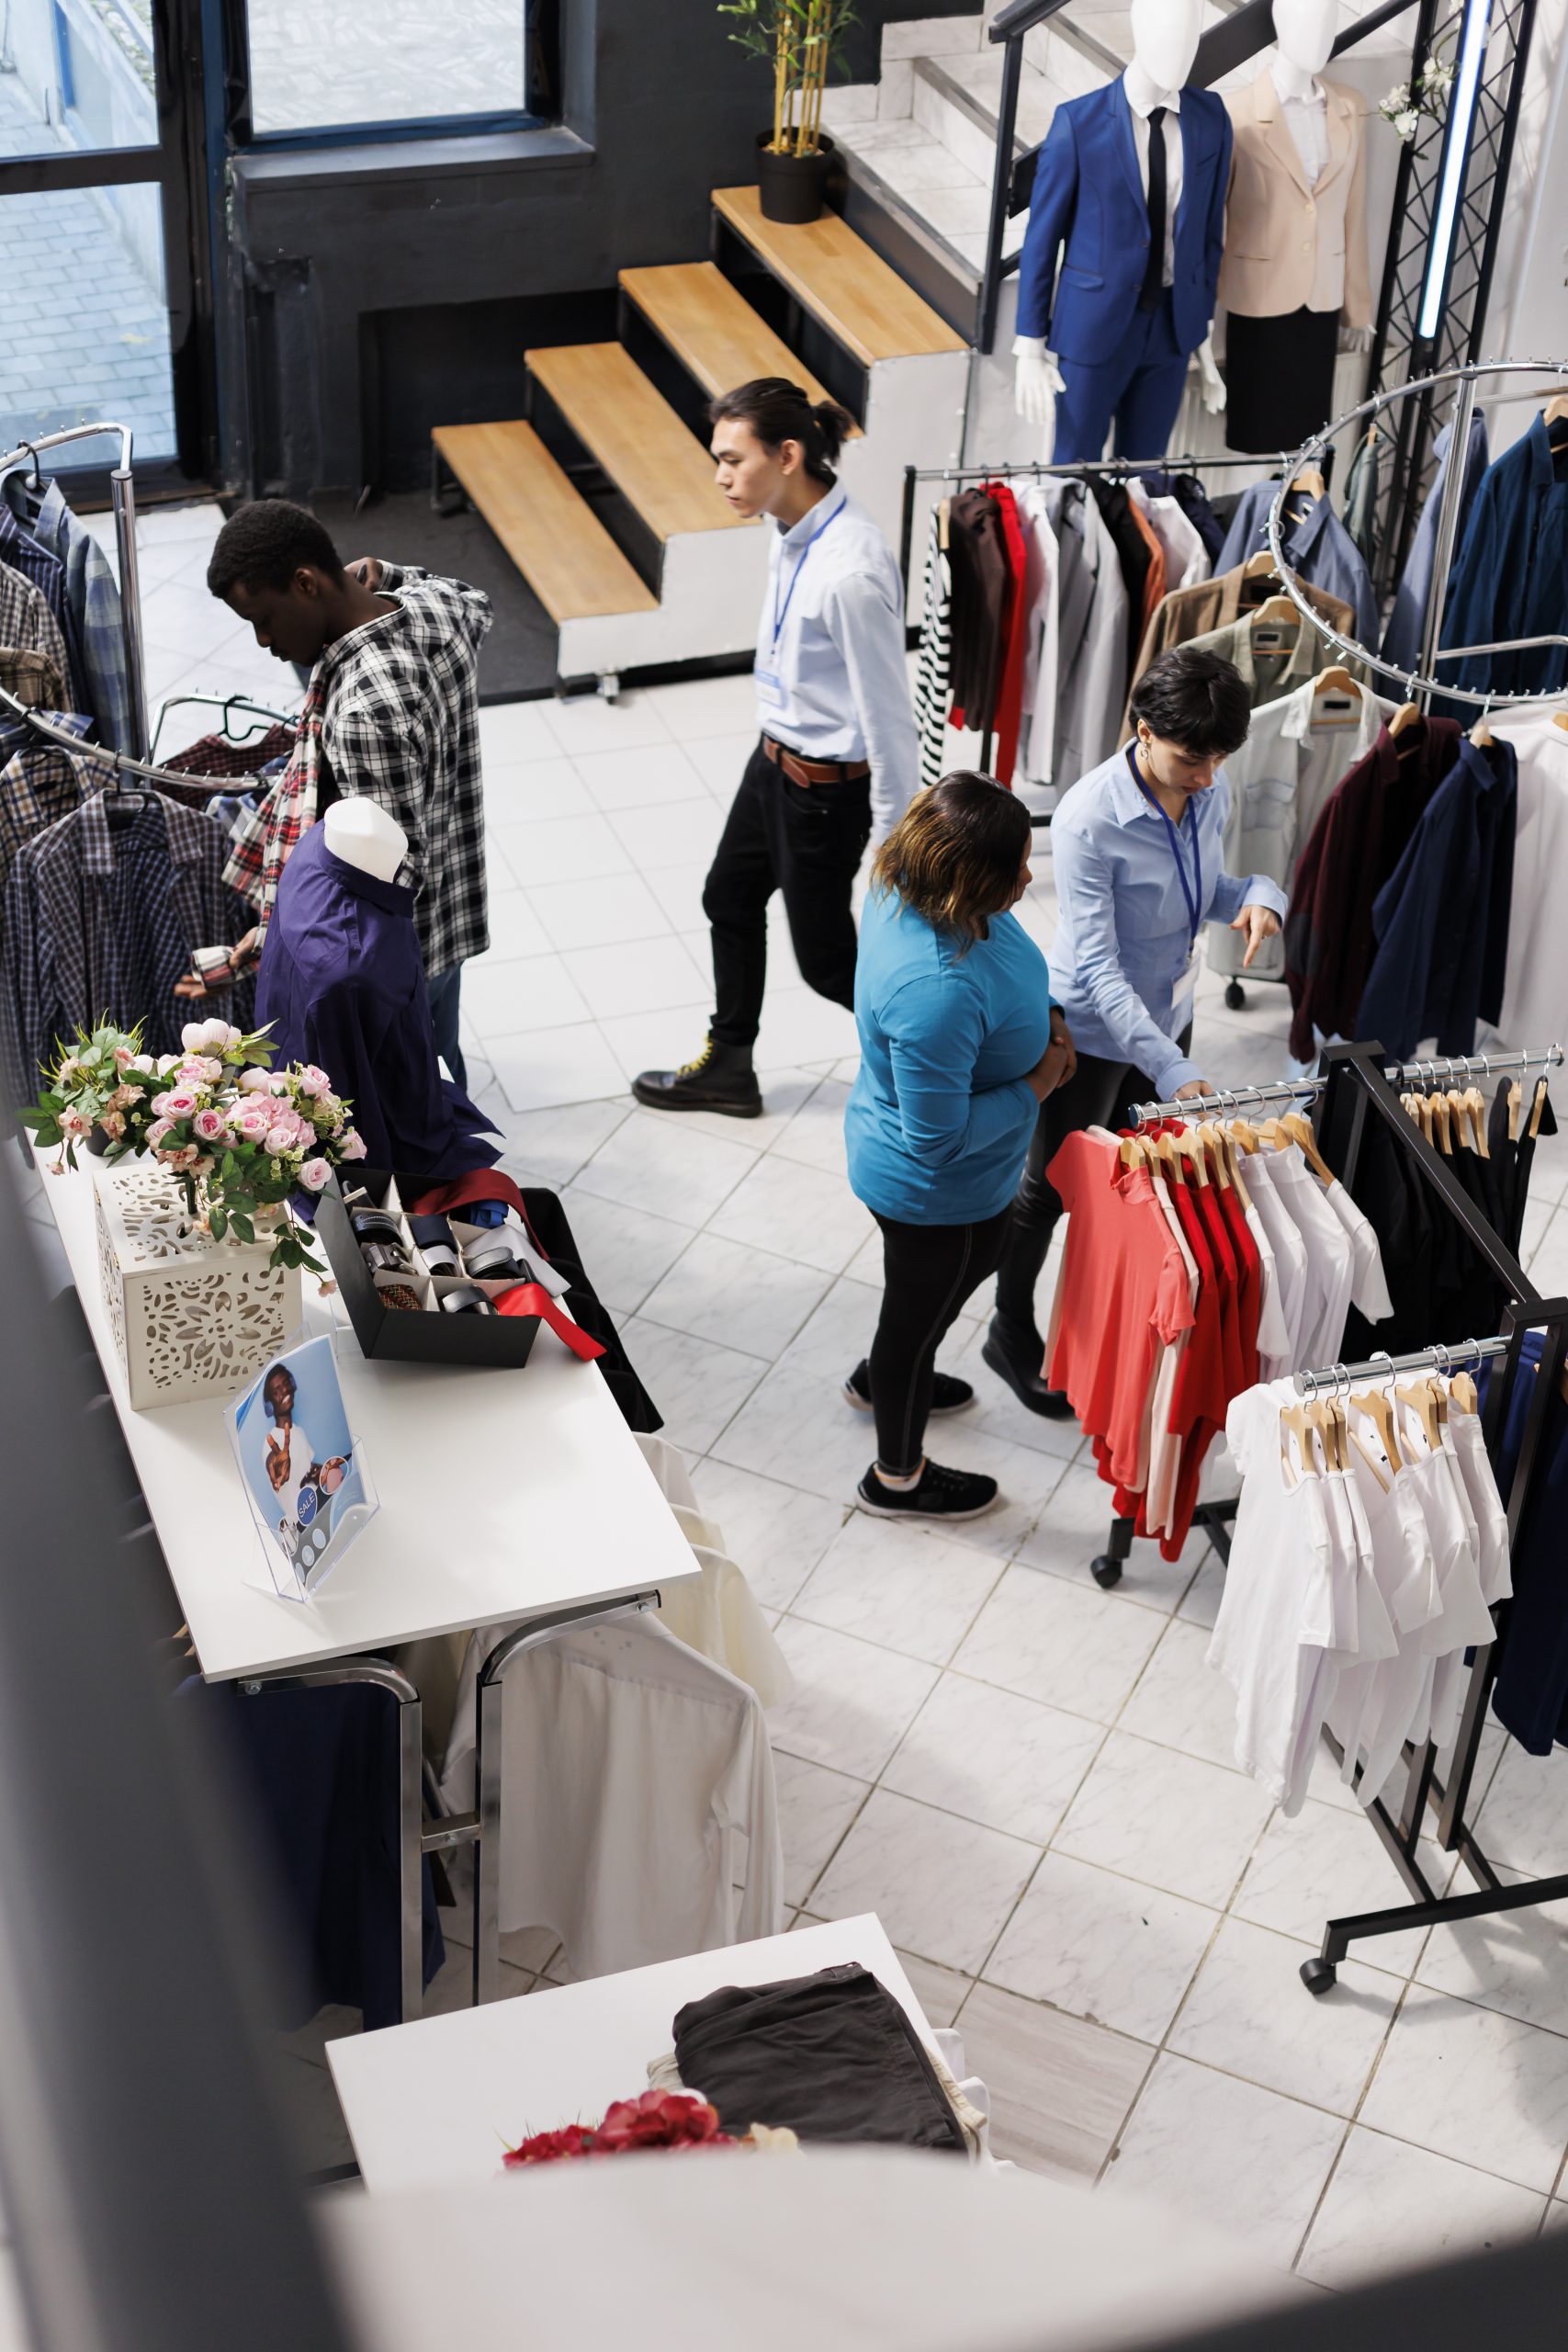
436	2102
506	1497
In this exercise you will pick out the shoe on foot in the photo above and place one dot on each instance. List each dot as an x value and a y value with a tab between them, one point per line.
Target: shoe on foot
949	1394
721	1079
941	1494
1018	1366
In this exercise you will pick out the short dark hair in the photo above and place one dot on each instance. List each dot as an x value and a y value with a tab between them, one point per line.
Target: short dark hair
954	853
1195	699
264	545
778	411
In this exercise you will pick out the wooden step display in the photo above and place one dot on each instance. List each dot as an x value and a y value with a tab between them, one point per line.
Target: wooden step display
712	330
551	534
851	290
663	471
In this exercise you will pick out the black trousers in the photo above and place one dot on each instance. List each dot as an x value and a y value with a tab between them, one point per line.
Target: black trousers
928	1272
1098	1094
806	840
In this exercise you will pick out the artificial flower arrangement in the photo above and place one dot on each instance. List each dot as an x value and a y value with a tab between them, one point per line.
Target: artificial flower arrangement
656	2119
241	1136
1407	101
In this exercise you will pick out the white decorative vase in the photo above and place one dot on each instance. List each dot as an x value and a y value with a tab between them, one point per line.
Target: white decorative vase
192	1316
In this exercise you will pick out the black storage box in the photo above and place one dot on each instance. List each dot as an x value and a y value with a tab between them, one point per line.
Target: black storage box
398	1333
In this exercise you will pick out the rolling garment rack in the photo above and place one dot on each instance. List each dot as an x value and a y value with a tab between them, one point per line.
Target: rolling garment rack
1357	1086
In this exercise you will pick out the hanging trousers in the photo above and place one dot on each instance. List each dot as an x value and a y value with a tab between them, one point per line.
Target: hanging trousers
928	1272
1098	1094
805	841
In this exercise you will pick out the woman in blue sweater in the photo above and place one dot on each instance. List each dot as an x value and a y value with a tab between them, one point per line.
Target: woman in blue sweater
959	1044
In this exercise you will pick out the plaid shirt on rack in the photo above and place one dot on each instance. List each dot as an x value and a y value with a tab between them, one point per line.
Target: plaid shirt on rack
27	626
393	712
26	554
37	788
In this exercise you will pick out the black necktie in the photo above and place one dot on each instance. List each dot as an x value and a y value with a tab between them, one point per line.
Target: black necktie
1154	273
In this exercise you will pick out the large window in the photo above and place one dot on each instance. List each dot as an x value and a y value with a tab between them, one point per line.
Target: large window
353	64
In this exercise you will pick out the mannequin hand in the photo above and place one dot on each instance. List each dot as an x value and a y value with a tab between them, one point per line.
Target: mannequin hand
1355	338
1214	382
1259	924
1037	381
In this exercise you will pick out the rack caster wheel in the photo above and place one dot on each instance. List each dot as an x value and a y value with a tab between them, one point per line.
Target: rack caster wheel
1318	1975
1236	996
1105	1571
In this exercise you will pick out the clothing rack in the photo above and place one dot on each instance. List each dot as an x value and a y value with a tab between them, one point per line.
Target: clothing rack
1436	1358
1225	1100
120	764
256	711
122	498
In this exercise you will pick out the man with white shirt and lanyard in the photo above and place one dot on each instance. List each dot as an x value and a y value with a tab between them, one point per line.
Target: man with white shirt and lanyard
838	756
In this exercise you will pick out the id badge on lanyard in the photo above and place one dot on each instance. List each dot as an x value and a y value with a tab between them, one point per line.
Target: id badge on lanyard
769	683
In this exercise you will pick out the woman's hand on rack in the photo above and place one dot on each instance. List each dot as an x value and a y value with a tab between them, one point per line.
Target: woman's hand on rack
1259	924
193	985
1057	1063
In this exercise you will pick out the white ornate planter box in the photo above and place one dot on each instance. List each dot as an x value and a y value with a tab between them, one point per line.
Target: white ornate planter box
192	1316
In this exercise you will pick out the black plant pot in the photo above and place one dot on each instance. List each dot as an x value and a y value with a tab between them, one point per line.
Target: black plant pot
792	188
97	1143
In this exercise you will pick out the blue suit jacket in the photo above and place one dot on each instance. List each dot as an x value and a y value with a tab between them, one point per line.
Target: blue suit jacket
1089	209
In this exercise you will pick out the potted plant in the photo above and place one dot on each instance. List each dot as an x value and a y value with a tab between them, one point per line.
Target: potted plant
800	39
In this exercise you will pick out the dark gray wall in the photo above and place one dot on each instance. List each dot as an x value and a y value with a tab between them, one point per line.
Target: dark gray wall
659	107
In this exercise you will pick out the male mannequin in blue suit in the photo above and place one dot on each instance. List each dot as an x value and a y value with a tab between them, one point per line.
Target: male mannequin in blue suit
1110	332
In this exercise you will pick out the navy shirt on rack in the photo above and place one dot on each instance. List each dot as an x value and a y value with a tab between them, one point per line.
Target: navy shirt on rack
1316	545
1530	1698
1510	578
342	981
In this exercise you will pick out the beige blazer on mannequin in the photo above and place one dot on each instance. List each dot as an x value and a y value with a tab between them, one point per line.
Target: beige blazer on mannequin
1289	244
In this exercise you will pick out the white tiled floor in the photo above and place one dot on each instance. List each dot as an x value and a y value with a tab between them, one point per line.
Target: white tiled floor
1031	1778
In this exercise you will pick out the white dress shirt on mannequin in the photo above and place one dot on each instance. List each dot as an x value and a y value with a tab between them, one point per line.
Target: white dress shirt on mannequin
1143	98
1306	120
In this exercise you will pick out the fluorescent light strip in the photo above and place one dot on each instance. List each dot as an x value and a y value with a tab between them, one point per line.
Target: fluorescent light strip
1456	156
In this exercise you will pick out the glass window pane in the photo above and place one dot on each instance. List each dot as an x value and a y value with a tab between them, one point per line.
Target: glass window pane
356	61
86	334
75	75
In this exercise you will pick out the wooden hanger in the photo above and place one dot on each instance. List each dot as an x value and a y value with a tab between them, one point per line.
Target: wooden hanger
1296	1420
1212	1142
1560	719
943	520
1192	1150
1133	1152
1312	482
1245	1134
1232	1158
1515	1105
1422	1399
1273	1133
1555	412
1459	1110
1169	1159
1300	1131
1480	735
1260	567
1461	1389
1273	611
1442	1123
1337	683
1405	716
1476	1104
1378	1406
1540	1105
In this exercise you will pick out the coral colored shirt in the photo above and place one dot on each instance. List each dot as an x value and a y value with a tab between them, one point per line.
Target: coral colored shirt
1123	1290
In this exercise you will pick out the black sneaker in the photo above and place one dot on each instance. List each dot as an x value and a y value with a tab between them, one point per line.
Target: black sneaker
1019	1365
721	1079
941	1494
949	1394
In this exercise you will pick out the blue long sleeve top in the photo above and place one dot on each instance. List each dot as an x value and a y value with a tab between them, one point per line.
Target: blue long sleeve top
940	1117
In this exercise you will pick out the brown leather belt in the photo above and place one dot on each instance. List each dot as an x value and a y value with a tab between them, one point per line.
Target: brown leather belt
810	772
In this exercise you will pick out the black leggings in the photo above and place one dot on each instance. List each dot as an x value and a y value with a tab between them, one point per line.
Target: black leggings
1098	1094
928	1272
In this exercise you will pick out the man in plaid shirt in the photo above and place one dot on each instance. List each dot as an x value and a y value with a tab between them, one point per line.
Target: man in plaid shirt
392	711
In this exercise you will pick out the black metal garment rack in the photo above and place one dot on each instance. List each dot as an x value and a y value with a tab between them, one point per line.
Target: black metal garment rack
1356	1089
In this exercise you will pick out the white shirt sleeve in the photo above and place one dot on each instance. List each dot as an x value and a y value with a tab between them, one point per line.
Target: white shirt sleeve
869	629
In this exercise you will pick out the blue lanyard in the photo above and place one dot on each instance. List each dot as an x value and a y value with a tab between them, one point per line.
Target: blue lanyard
781	616
1192	891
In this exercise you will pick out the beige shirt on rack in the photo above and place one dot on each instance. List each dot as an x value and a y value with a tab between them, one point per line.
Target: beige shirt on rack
1292	244
1213	604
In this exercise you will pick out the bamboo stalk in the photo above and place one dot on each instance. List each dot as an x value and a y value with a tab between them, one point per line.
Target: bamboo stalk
781	82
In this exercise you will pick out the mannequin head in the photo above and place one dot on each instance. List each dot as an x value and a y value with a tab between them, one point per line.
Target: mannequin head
361	833
1165	39
1304	31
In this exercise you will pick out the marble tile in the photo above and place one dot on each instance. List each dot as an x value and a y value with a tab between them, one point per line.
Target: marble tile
720	1290
696	709
931	37
644	778
1060	2088
942	1993
815	1137
895	90
1076	1523
1521	1824
720	760
677	832
1548	1262
644	1040
798	1211
553	1144
784	1091
679	891
1330	1865
775	1533
1182	1702
816	1807
549	1067
852	1703
1228	2154
610	910
913	170
655	1163
312	2120
800	1027
999	1412
1169	1820
592	723
521	796
1390	2206
508	1001
628	1250
643	974
907	1588
697	1387
1024	1478
941	1886
1248	2014
514	929
839	1331
511	732
1199	1604
1470	2084
1080	1651
989	1754
1513	1961
1102	1946
559	849
797	1428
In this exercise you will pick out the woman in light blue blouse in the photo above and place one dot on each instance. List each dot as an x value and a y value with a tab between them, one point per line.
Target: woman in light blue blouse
960	1043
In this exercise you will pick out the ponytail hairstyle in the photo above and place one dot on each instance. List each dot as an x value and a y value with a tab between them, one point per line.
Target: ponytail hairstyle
778	411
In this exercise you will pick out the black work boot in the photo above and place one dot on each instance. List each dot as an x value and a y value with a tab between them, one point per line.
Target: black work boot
1014	1356
721	1079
